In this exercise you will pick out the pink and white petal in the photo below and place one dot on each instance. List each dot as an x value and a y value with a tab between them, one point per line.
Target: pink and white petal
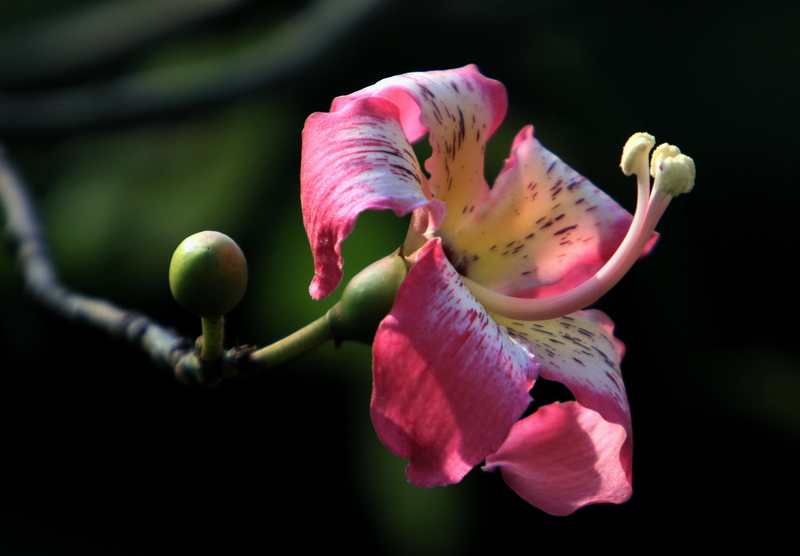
461	109
580	351
564	457
543	229
354	159
448	381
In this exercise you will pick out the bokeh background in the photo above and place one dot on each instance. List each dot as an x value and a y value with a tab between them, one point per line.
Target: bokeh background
137	123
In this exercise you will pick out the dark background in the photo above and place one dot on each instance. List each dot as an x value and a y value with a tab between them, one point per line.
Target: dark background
128	151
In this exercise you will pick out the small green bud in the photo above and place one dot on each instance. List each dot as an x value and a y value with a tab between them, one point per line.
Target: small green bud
208	274
367	299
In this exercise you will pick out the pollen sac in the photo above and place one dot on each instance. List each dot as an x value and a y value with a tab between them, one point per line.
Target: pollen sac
635	148
674	171
663	151
677	174
208	274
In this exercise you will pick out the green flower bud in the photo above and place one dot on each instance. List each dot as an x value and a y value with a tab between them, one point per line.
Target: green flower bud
208	274
367	299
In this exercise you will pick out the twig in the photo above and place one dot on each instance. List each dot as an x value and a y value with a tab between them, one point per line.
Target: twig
165	346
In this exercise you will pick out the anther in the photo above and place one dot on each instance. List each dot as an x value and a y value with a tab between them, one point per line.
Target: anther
663	151
635	151
675	175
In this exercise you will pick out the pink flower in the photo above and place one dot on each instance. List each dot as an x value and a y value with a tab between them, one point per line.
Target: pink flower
496	283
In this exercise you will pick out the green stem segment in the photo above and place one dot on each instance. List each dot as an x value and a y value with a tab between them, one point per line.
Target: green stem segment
305	339
365	302
213	337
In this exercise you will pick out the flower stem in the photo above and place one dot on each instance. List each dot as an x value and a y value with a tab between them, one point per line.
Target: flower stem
213	337
305	339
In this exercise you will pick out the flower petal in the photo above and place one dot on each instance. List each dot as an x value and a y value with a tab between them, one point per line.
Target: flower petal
564	457
581	352
461	108
448	382
354	159
542	226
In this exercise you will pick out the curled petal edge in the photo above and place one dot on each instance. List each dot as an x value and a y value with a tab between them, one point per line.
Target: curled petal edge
355	159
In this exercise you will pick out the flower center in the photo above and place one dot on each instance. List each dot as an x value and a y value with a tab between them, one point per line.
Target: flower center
674	174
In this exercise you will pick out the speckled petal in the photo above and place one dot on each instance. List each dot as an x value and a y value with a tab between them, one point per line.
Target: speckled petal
564	457
461	109
581	352
542	228
448	381
354	159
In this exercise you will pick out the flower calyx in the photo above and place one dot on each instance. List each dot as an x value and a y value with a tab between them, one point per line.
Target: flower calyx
367	299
